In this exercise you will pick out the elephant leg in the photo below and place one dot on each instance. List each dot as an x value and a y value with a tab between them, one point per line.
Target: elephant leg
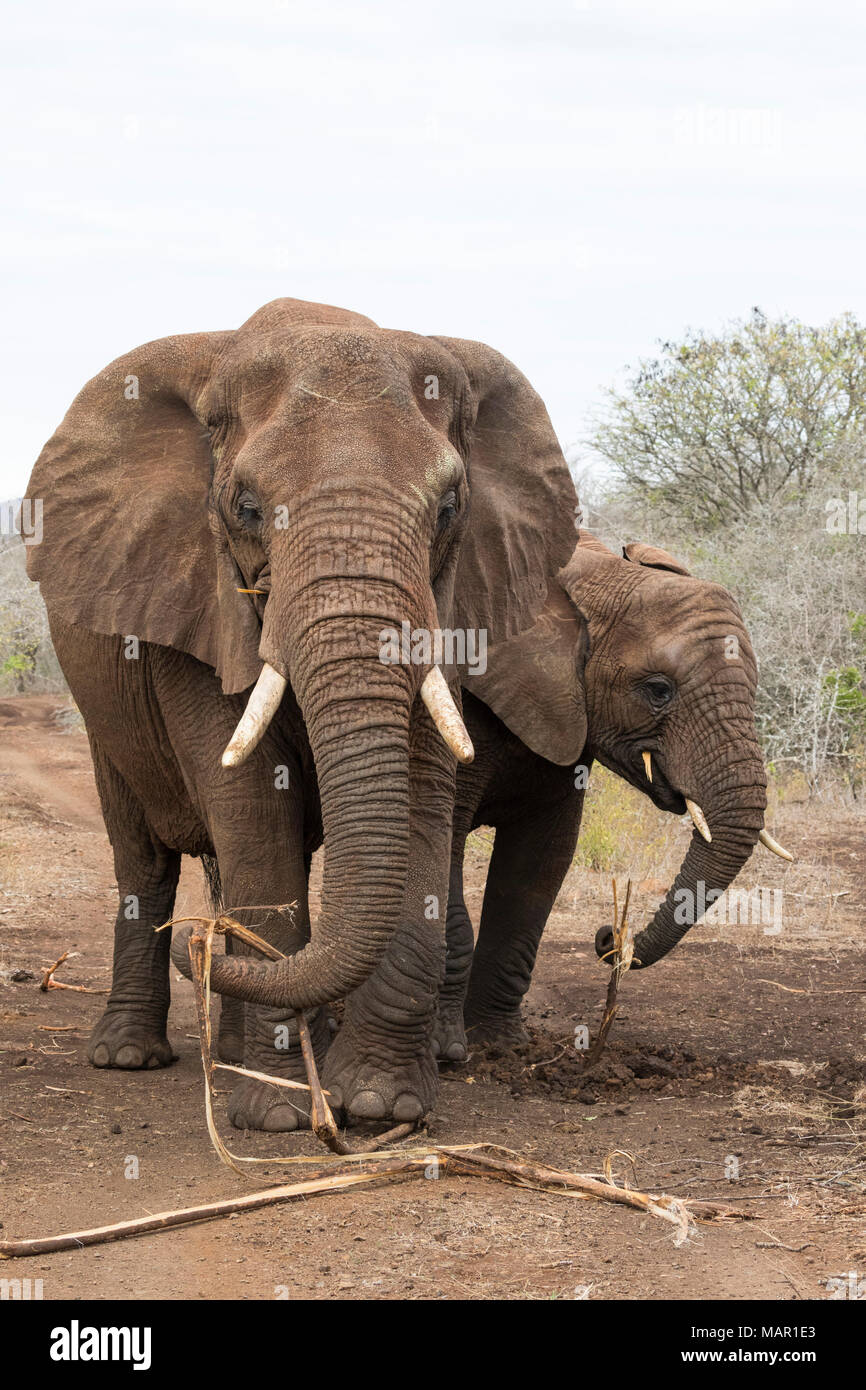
253	874
491	743
381	1064
132	1031
531	857
449	1036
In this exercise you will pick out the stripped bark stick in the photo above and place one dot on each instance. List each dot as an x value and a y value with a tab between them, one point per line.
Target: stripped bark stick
264	1076
321	1118
490	1160
165	1220
482	1161
622	954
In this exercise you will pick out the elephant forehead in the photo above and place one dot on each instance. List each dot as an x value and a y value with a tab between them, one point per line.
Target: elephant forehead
345	366
672	620
304	444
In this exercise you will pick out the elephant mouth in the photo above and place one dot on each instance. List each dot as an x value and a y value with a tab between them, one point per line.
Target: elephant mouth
660	791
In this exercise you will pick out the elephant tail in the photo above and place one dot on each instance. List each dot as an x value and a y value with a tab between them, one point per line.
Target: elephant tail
214	883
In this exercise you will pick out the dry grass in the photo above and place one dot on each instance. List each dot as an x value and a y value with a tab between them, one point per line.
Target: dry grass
622	832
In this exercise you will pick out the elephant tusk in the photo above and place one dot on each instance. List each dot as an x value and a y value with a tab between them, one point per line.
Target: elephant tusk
446	716
261	708
648	764
699	819
766	839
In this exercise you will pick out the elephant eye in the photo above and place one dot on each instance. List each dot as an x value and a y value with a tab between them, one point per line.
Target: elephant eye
447	510
659	691
249	513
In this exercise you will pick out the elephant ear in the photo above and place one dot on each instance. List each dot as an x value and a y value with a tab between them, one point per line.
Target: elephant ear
534	682
129	546
653	556
522	504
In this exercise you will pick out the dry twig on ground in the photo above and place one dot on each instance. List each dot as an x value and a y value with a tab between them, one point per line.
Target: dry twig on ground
472	1160
49	982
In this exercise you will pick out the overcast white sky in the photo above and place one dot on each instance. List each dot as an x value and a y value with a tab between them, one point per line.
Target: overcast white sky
567	181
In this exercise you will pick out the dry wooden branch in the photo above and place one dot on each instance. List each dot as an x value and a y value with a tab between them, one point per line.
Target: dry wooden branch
225	925
622	952
789	989
479	1161
263	1076
321	1118
391	1136
492	1161
327	1181
48	981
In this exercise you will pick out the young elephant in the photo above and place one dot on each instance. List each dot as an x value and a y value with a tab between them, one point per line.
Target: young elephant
635	664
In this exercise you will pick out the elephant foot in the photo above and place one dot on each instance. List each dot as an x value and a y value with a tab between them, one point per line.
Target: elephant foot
449	1038
500	1030
271	1045
274	1109
129	1041
373	1088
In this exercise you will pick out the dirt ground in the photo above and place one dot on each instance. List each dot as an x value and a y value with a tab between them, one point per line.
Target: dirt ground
735	1070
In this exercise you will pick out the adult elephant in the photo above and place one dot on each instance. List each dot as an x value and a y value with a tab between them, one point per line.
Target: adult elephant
254	509
636	664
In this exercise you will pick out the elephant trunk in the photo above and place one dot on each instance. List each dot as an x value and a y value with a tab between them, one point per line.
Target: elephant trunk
324	634
360	744
734	810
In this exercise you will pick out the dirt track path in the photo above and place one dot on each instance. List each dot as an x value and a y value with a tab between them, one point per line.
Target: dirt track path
709	1064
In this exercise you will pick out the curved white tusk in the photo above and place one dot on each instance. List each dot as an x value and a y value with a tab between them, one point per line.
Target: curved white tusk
766	839
648	764
699	819
261	708
446	716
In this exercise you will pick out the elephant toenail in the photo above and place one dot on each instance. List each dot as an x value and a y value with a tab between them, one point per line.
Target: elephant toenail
407	1107
280	1119
129	1057
101	1056
456	1052
368	1105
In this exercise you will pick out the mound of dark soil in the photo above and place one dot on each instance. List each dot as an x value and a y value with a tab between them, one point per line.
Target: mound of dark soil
545	1067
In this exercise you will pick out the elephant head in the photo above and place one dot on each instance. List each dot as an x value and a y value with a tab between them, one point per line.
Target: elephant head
270	500
637	664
